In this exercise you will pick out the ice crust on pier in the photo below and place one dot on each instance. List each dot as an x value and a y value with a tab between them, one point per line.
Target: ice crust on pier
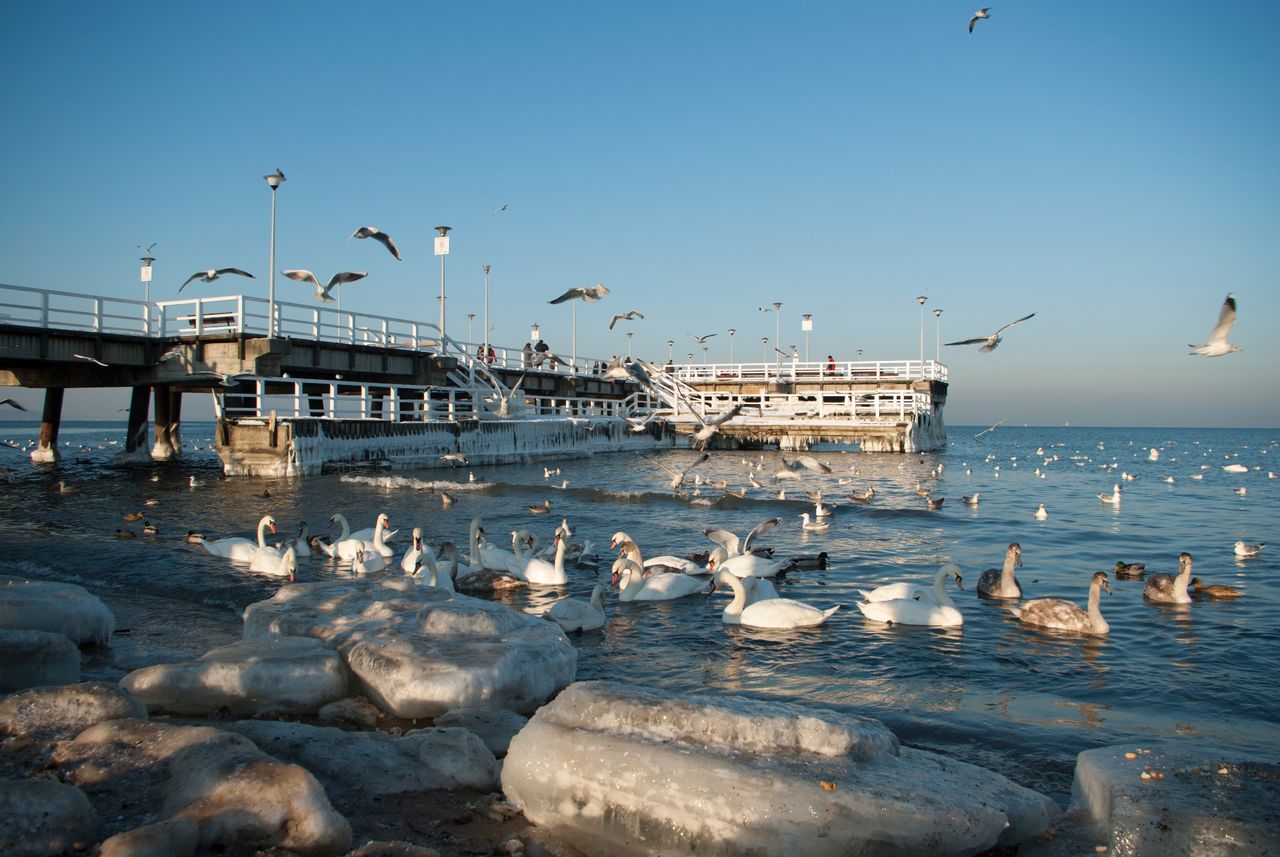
1206	801
417	651
628	771
288	675
59	608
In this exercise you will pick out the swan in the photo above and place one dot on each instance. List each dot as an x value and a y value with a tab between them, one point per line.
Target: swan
1060	615
435	577
758	589
896	591
658	564
1167	587
414	555
302	544
660	587
746	565
473	577
775	613
285	565
357	563
346	548
488	557
240	549
365	534
919	610
574	615
540	572
1000	583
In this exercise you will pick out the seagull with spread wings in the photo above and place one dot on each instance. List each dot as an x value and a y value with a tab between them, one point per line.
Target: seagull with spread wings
711	426
702	340
678	476
212	274
590	294
989	343
377	235
629	315
981	15
1217	344
11	403
322	293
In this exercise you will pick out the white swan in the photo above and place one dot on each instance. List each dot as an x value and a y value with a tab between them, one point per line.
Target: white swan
346	548
758	589
414	555
939	613
1167	587
898	591
1062	615
776	613
487	556
656	565
1000	583
435	577
240	549
746	565
540	572
574	615
365	534
286	565
660	587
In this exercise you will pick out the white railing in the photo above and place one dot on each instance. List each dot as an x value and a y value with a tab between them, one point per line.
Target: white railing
71	311
881	405
787	370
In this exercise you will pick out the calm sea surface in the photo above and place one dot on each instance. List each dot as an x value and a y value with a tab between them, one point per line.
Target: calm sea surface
994	693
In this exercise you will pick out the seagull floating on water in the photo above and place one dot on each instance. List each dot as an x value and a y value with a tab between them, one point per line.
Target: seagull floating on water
981	15
1243	548
212	274
1217	344
322	293
989	343
377	235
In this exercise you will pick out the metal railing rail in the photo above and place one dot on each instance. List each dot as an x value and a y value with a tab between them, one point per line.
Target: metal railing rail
854	370
881	405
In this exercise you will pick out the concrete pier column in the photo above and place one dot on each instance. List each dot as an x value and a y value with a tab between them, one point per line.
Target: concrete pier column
163	450
135	442
46	452
175	422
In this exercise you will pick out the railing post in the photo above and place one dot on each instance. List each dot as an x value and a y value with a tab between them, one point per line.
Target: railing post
44	309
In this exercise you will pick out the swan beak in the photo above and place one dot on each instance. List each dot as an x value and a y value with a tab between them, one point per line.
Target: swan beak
273	528
613	579
1107	586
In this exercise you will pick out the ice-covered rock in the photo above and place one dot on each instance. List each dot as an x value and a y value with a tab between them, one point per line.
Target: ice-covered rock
350	710
35	658
418	651
139	772
292	675
66	710
376	848
177	837
44	817
1192	800
496	727
627	771
60	608
375	764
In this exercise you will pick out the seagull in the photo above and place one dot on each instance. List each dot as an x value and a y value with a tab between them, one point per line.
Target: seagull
808	462
377	235
993	428
456	457
1245	549
590	294
711	426
93	360
629	315
502	208
148	248
989	343
213	273
11	403
1217	344
223	380
981	15
702	340
678	477
970	499
322	293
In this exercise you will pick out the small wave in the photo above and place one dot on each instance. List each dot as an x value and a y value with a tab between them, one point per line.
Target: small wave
417	484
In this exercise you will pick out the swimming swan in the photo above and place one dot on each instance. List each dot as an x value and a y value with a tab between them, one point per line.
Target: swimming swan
660	587
486	556
286	565
1000	583
746	565
346	548
574	615
539	571
774	613
938	612
239	549
896	591
1167	587
658	564
1061	615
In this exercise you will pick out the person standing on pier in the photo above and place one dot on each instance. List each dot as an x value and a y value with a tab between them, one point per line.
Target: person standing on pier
831	365
528	355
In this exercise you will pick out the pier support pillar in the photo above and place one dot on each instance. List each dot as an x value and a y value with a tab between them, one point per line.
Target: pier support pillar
163	449
175	421
135	442
46	452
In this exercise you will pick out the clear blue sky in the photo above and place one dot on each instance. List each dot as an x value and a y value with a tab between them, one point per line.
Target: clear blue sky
1115	173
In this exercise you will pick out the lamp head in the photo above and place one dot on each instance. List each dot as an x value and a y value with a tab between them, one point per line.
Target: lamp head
443	230
937	313
486	269
275	179
147	260
922	299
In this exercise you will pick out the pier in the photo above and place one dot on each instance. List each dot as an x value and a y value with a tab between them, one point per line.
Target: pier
335	389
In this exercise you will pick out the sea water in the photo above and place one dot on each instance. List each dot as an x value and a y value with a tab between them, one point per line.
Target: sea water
995	693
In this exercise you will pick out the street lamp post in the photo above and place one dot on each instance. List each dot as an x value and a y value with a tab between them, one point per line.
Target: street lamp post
274	181
670	343
937	336
777	323
442	250
471	317
629	335
922	299
806	324
485	319
764	350
731	333
146	293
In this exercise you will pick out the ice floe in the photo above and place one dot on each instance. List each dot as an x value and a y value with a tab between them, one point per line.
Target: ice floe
60	608
34	658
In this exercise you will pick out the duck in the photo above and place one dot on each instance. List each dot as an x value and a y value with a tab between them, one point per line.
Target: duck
285	565
150	529
938	611
239	549
1113	498
1244	549
896	591
194	538
538	571
1130	570
971	499
1061	615
1000	583
817	526
543	509
133	516
1042	514
1169	588
347	547
1215	591
808	562
659	587
412	558
126	534
769	613
573	615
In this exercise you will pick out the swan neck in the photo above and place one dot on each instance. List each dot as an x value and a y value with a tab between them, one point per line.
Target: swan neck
1006	574
940	590
1096	622
739	602
262	533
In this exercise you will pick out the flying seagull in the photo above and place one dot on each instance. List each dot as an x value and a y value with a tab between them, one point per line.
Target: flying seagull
711	426
981	15
222	380
629	315
212	274
11	403
93	360
147	249
590	294
381	237
501	208
1217	344
322	292
993	428
989	343
702	340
